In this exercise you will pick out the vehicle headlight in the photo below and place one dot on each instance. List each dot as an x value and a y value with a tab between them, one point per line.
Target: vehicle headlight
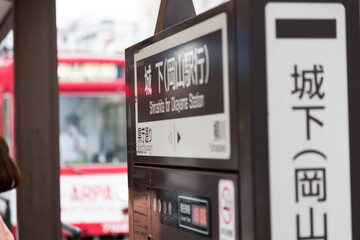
123	193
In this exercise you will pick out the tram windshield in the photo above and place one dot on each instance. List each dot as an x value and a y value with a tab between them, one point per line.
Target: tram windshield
6	121
92	129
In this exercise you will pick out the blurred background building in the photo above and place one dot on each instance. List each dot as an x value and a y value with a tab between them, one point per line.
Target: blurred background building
107	26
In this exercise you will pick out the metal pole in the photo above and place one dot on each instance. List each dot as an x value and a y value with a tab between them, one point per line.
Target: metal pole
36	119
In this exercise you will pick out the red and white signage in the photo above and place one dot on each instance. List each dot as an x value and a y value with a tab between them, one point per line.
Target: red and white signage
226	210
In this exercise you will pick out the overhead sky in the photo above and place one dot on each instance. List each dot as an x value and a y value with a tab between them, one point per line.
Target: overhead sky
89	12
96	10
118	10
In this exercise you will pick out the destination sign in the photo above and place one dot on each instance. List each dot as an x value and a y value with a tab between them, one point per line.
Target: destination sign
89	72
182	93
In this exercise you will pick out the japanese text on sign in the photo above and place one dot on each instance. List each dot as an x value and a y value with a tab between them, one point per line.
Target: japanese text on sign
310	182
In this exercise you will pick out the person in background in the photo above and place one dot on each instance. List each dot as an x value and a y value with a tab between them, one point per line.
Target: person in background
10	177
72	142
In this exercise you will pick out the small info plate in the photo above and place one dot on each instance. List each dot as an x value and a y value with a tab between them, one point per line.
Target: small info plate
182	94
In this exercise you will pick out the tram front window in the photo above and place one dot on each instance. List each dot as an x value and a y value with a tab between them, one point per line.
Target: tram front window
6	121
92	129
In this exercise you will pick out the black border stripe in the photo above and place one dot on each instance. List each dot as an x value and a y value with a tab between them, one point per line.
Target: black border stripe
305	28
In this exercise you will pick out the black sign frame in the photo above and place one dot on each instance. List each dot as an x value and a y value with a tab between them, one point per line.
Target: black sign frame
216	164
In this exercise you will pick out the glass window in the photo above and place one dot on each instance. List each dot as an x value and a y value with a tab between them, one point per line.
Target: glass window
6	121
92	129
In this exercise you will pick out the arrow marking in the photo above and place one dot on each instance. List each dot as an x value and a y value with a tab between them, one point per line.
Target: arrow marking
178	137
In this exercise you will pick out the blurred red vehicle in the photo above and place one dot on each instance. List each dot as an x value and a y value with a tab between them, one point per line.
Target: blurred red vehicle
93	171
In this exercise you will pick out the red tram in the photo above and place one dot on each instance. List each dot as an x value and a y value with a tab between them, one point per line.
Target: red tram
93	171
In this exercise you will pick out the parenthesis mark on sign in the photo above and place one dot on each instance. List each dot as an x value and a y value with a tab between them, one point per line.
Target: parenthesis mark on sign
207	63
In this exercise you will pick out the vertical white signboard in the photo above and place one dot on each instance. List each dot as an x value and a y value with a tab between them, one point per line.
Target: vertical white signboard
308	124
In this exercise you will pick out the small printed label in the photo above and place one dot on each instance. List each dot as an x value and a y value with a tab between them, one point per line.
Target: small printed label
226	210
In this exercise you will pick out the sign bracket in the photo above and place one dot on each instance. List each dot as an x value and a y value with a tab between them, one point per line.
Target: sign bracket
172	12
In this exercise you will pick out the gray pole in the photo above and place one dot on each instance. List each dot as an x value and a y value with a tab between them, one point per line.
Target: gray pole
36	119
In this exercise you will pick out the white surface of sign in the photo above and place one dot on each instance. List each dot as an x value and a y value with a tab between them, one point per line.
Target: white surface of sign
226	194
174	110
308	124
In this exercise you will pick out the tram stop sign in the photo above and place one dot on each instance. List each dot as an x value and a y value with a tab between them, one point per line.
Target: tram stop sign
243	124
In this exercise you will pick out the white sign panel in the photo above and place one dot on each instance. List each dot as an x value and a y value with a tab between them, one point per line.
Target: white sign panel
226	196
182	94
308	121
